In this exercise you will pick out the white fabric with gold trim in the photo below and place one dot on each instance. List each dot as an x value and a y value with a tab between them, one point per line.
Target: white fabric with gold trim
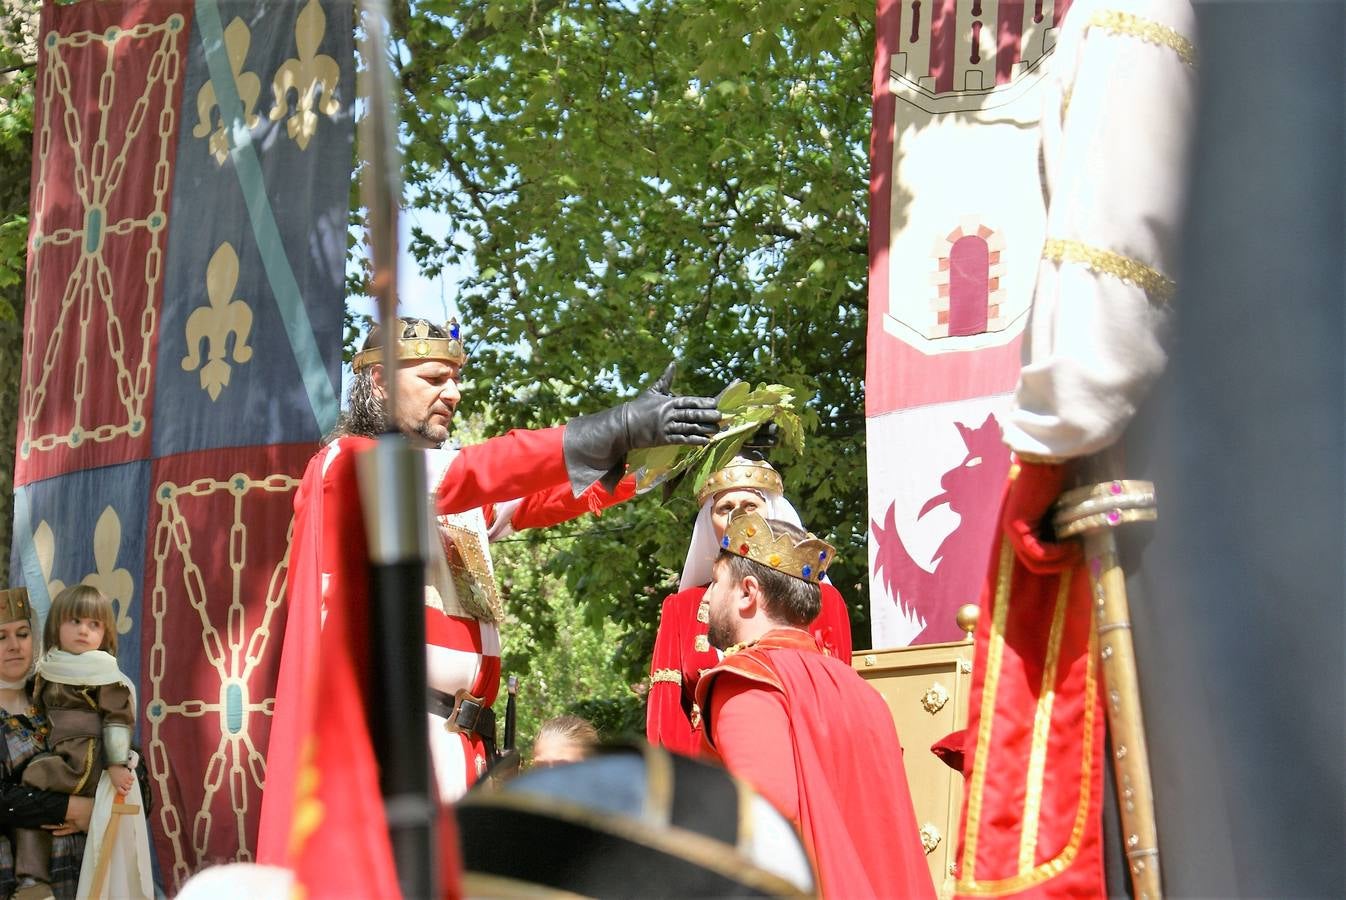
1114	151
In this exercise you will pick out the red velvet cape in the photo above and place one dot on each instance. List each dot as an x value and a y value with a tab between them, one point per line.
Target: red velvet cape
322	814
668	711
855	812
1034	746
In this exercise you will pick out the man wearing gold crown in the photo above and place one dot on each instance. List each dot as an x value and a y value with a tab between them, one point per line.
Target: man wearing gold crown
682	648
801	727
522	479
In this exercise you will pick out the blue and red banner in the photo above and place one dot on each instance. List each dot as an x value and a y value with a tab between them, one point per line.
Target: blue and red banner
182	349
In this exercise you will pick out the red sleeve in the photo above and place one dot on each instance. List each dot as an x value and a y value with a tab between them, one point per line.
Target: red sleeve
752	735
666	722
513	465
559	504
832	628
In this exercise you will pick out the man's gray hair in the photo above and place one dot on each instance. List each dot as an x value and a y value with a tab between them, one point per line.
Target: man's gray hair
366	414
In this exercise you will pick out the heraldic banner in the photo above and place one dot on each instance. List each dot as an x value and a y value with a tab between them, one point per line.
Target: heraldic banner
181	360
957	223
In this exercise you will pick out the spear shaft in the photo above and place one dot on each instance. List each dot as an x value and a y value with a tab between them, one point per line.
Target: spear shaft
394	501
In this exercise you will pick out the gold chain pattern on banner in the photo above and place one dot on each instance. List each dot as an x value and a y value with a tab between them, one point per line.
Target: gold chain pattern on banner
233	657
89	283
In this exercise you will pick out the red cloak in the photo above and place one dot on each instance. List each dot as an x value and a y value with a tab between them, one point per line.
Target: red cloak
322	814
815	739
682	653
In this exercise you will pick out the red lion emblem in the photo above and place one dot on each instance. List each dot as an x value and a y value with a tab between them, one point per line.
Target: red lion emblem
972	490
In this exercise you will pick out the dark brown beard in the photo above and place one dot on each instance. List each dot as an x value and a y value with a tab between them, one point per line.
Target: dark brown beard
719	635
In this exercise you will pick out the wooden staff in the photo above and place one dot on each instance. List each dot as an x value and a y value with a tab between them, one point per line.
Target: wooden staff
109	842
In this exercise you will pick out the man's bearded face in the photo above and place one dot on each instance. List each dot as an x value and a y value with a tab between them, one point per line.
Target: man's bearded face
723	630
427	396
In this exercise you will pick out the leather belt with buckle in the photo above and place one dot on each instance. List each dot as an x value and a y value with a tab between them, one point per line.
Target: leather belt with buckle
464	712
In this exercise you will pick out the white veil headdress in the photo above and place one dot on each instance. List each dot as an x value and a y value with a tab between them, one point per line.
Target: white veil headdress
703	549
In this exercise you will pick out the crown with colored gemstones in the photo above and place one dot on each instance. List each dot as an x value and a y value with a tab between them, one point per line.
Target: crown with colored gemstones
750	536
14	606
741	474
416	344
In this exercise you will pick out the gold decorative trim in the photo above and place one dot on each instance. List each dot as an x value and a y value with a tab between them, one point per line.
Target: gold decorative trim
933	700
476	884
1106	505
88	763
1154	283
995	651
1058	864
930	837
741	474
1042	721
746	822
1148	30
658	809
668	676
470	565
1039	459
702	644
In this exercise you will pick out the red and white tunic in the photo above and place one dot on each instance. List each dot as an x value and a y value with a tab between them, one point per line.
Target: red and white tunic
462	608
462	632
478	494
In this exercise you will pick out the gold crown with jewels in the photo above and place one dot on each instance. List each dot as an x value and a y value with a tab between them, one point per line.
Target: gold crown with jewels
741	474
415	345
750	536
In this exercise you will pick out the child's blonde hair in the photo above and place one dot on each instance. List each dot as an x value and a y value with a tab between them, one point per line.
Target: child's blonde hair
80	601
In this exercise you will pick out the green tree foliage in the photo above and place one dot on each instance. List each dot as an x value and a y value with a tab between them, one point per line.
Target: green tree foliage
631	182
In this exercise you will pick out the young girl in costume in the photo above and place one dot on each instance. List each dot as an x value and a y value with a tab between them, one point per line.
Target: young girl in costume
91	707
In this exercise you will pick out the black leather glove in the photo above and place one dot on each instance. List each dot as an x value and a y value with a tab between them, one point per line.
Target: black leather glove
596	445
762	440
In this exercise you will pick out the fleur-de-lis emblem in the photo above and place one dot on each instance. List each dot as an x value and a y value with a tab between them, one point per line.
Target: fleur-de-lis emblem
44	543
237	38
214	324
310	74
114	581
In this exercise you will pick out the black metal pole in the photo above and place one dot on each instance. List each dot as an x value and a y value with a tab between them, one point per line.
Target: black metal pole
394	501
511	713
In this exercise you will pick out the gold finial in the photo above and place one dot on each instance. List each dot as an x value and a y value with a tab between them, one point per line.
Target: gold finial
967	617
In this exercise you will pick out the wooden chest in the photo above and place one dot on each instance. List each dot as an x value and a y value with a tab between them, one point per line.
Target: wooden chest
926	688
